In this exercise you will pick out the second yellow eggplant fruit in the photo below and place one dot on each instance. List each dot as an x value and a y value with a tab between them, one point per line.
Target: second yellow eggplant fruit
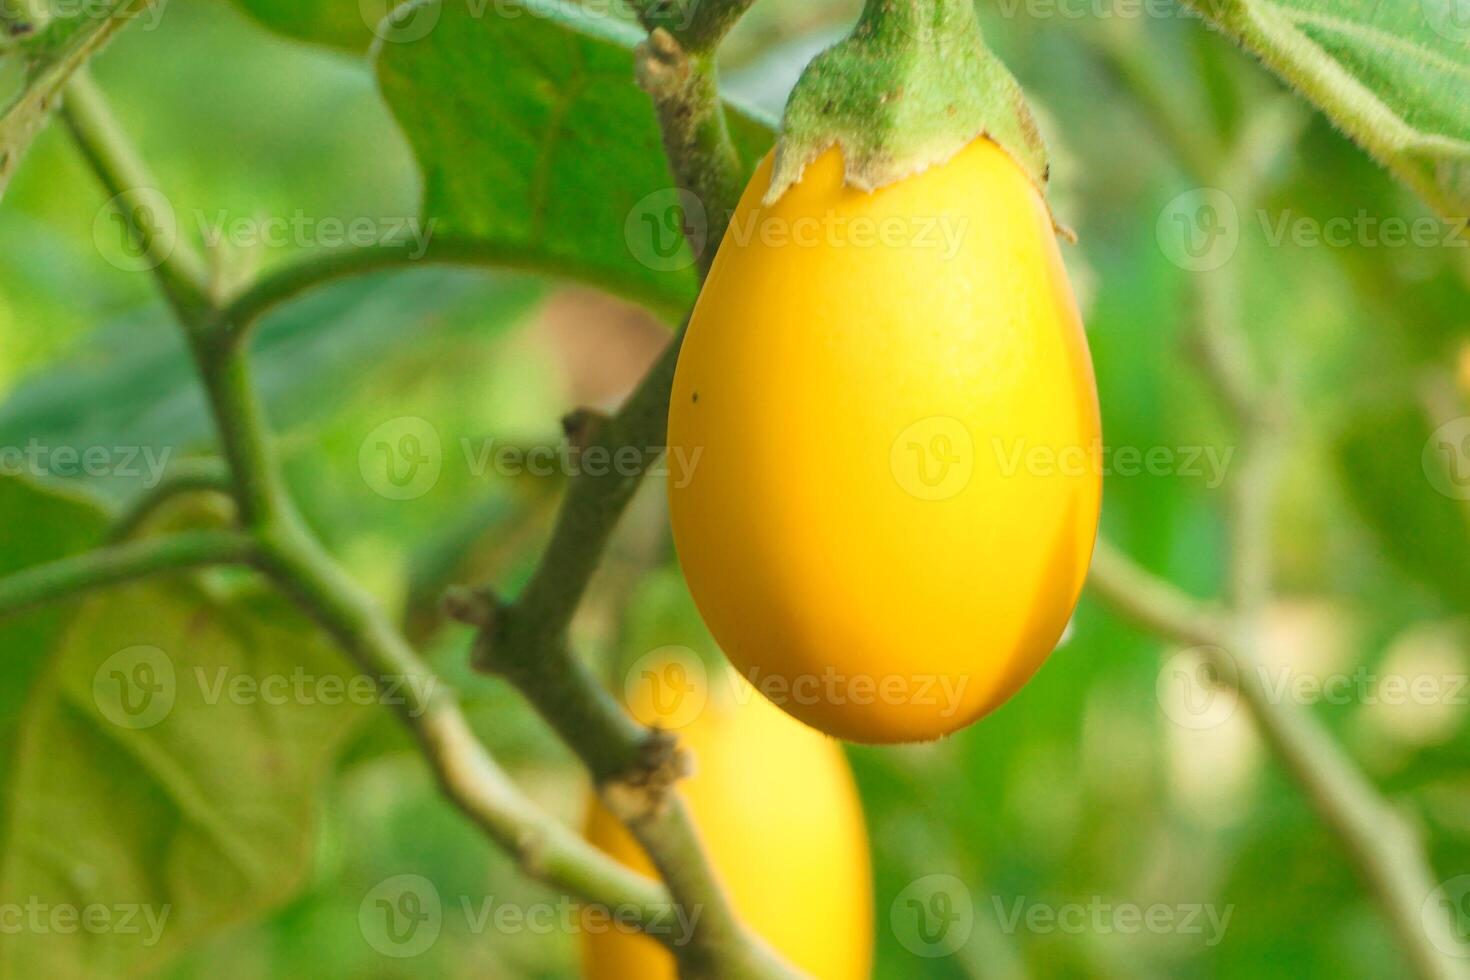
779	816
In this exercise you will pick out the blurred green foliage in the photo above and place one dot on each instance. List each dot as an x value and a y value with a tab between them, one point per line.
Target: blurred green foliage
1083	789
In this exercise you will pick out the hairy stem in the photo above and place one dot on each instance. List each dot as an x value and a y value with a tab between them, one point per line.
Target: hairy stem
1270	32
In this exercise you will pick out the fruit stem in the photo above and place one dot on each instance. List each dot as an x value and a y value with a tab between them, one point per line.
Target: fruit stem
923	20
912	85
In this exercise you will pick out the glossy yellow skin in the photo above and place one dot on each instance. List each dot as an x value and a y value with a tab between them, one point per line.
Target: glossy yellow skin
898	447
781	822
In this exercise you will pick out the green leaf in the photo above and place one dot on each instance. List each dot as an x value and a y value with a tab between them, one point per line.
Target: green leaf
131	386
1386	456
1394	76
165	777
537	146
40	526
48	58
335	23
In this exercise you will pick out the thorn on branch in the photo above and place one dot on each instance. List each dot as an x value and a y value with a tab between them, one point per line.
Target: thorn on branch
643	792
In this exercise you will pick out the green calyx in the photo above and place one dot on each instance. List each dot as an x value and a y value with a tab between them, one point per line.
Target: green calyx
911	86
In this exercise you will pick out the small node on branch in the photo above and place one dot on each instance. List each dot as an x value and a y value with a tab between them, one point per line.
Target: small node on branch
581	426
531	852
471	606
643	791
662	65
